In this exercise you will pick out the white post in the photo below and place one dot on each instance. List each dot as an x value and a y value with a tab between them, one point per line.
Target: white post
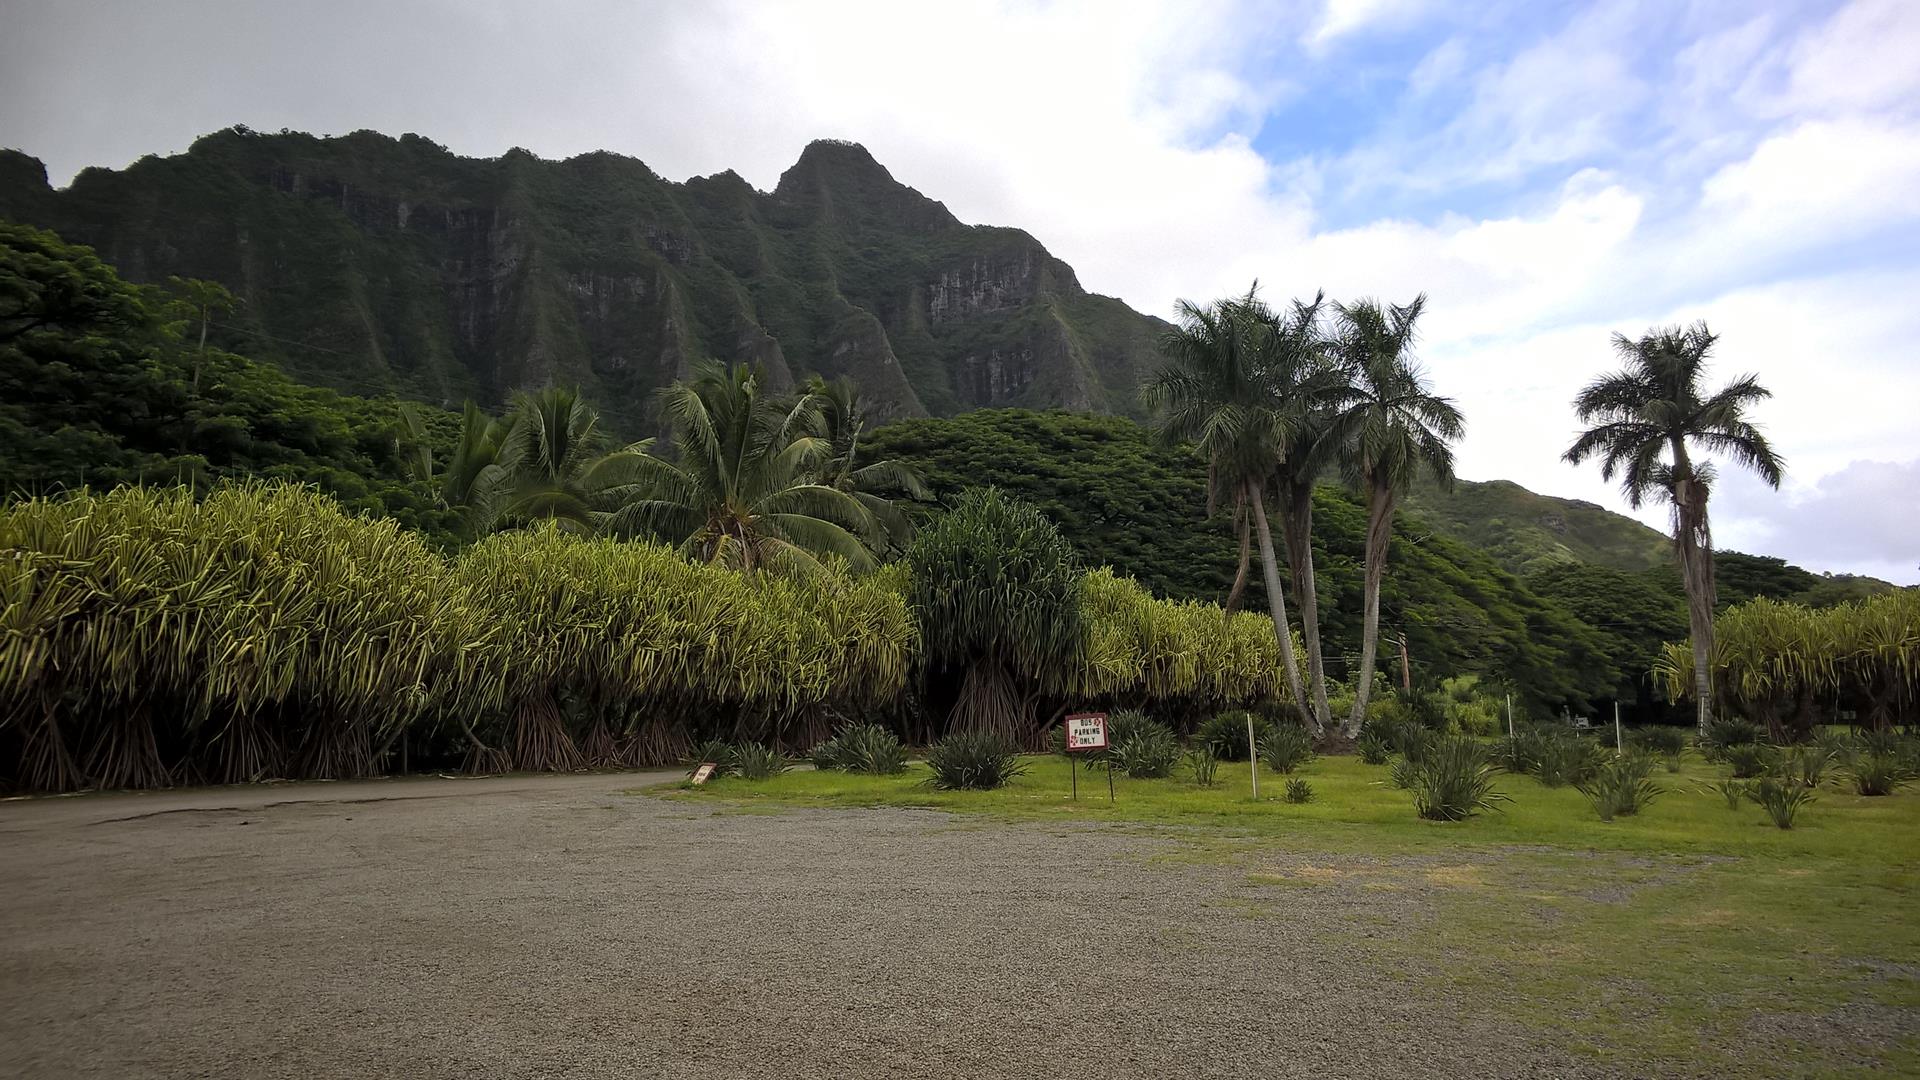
1619	742
1509	716
1253	757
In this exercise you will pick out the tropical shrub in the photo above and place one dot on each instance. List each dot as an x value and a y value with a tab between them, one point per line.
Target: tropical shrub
758	761
1203	765
1803	765
1724	732
1568	758
997	592
1225	734
1298	791
1453	781
1748	760
825	754
870	749
1286	748
718	751
1666	742
1467	707
1149	754
1373	749
1781	799
1877	772
1733	791
1620	787
972	760
1185	654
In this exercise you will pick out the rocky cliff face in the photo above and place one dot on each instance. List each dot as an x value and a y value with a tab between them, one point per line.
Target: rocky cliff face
379	264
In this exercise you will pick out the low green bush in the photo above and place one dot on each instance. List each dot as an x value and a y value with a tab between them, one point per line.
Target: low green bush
1373	749
1225	734
1149	754
1665	742
1453	781
721	753
1204	766
1803	765
1569	758
972	760
1298	791
1725	733
757	761
872	750
1748	760
1620	788
1733	791
825	754
1286	748
1781	799
1876	774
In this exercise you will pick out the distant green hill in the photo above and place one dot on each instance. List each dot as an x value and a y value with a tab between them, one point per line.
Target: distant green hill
1525	531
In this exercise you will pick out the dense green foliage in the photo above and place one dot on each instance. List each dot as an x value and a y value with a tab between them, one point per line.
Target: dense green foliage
1788	668
99	386
1123	502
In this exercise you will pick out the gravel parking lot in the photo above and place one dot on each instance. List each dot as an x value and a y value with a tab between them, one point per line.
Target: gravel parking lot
558	926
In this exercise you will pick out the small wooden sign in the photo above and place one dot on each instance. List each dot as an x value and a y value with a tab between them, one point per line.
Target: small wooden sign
1087	731
704	773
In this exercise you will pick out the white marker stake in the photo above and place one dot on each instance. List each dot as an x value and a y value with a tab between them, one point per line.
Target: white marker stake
1509	716
1619	742
1253	757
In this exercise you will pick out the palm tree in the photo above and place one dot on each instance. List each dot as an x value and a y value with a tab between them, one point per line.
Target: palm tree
1388	427
843	418
1320	381
748	489
1643	419
1217	392
548	465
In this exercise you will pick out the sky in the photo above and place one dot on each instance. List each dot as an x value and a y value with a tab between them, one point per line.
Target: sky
1549	173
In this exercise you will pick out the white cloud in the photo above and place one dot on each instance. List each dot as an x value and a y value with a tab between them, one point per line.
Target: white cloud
1342	17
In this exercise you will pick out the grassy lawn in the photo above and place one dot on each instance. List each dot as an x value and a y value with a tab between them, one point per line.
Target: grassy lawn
1691	937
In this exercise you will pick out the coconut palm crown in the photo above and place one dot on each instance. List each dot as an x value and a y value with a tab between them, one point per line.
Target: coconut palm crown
1389	428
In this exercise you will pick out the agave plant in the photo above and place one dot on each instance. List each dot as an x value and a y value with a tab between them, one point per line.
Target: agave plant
1454	781
1620	787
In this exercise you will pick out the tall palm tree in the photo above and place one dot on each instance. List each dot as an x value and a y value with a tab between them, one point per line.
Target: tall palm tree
843	418
1644	418
1389	427
1217	392
748	489
1320	381
547	465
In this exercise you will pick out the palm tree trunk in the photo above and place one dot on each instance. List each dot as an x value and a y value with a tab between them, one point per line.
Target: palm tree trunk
1380	501
1693	543
1696	573
1277	604
1296	527
1246	559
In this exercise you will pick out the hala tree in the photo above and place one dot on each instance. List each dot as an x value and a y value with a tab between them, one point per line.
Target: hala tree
996	590
1647	420
1389	428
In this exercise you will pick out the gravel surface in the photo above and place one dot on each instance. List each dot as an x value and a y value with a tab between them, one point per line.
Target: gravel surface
558	927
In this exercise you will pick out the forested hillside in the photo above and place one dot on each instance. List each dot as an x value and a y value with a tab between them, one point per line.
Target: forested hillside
374	264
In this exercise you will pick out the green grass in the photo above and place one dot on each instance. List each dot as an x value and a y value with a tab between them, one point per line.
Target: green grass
1688	936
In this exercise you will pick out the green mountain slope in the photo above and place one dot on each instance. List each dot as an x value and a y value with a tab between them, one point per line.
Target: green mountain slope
1525	531
369	263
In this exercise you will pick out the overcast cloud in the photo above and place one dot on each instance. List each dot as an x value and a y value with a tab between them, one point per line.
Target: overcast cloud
1547	176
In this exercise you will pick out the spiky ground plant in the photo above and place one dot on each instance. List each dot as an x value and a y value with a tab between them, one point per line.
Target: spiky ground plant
759	761
1298	791
972	760
1781	799
1620	788
1204	767
1454	781
1286	747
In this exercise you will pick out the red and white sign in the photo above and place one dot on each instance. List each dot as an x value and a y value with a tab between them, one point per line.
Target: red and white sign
1087	731
704	773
